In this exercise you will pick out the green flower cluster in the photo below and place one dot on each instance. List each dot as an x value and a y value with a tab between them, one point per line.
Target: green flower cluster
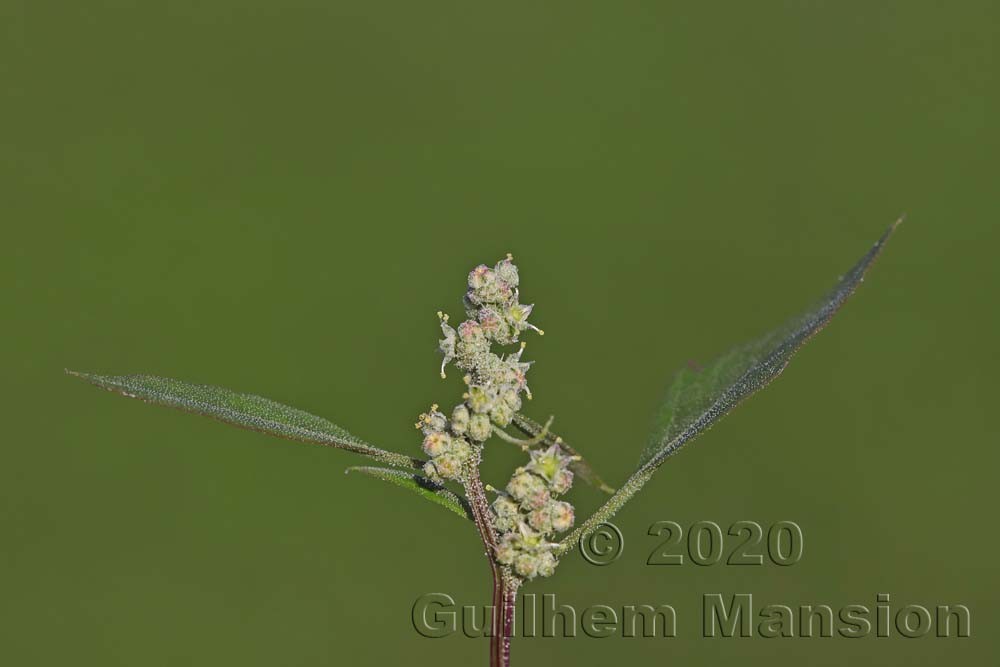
528	513
494	382
494	316
445	444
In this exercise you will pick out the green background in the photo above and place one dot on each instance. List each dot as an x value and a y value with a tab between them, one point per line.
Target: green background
277	197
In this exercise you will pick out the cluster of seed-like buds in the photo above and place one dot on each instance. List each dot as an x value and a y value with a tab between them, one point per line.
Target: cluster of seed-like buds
529	513
494	383
448	450
494	316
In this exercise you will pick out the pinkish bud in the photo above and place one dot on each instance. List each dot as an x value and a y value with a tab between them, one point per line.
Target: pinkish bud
562	516
480	277
436	444
561	482
540	520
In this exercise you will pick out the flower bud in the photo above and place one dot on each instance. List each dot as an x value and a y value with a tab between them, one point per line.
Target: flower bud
479	427
540	519
501	414
506	550
471	345
495	326
448	466
524	486
506	271
436	444
526	565
460	419
546	564
461	449
481	276
561	482
433	421
537	499
562	515
507	515
511	398
505	293
481	399
504	506
471	332
490	321
488	290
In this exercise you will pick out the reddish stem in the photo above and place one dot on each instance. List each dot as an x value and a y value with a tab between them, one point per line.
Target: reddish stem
499	633
510	586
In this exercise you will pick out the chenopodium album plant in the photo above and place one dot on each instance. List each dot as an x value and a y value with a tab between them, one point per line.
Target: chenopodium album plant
524	527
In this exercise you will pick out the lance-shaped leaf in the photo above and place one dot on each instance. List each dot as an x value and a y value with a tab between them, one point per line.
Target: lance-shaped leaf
244	410
530	427
422	486
699	397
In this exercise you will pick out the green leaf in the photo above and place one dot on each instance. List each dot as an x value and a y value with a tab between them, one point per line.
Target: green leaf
244	410
422	486
530	427
698	398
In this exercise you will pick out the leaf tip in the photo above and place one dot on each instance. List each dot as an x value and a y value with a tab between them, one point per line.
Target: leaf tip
892	228
87	377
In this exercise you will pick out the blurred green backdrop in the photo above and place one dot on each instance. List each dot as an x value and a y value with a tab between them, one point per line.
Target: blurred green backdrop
277	197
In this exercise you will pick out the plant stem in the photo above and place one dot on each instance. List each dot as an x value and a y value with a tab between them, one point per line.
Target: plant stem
510	586
499	634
